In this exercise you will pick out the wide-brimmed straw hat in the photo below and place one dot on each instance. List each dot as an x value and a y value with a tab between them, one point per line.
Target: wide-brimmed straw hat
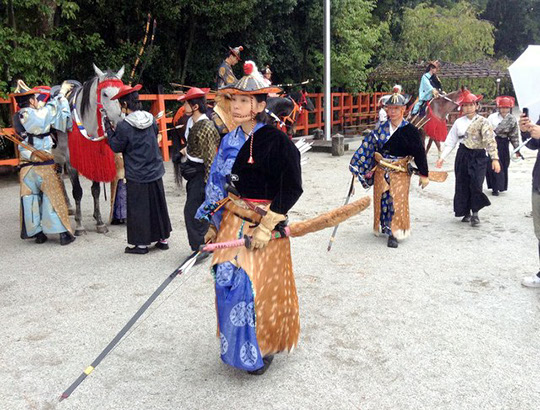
252	83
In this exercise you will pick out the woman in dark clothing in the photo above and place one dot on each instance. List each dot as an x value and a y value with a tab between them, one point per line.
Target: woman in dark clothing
136	138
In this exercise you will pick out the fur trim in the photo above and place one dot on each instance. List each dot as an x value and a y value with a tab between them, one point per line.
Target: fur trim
401	234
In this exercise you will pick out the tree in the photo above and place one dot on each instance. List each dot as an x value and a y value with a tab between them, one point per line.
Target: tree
517	24
450	34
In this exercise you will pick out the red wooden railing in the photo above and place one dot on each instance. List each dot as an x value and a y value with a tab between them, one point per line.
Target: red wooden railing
347	109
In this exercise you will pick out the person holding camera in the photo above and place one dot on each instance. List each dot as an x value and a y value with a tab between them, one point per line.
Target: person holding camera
529	130
202	144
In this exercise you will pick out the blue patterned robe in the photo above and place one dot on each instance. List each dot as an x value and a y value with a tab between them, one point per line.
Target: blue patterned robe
363	163
39	212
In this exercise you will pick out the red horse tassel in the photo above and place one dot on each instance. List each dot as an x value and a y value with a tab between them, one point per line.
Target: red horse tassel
435	128
92	159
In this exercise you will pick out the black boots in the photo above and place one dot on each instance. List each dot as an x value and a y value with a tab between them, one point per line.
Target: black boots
66	238
267	361
466	218
475	221
136	250
162	245
41	237
392	242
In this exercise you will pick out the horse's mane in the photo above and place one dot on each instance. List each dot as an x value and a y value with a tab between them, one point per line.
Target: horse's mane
87	86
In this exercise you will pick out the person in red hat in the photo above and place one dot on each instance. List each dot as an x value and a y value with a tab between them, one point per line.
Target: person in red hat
475	136
202	144
136	138
506	131
225	72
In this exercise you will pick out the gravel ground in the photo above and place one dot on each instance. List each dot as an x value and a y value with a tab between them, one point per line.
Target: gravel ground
442	322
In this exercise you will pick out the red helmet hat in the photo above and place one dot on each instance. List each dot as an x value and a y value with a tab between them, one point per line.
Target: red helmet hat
505	101
467	97
193	93
125	90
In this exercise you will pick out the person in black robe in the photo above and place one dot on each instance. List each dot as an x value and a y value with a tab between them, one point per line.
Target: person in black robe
136	138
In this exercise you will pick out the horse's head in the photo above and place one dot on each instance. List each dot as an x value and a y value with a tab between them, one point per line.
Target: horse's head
445	104
302	99
107	86
283	110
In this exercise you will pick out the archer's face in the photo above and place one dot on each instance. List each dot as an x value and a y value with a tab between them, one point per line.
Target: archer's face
187	109
504	111
395	112
245	107
468	108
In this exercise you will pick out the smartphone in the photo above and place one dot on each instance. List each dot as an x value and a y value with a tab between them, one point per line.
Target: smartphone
526	112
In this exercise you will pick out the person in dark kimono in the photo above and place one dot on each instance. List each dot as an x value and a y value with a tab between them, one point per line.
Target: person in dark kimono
225	72
506	130
136	138
475	136
254	181
382	160
202	140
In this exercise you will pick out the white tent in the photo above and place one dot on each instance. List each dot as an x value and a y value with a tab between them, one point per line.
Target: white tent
525	73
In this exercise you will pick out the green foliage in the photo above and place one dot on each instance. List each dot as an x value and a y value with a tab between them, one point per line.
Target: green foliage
517	24
47	41
450	34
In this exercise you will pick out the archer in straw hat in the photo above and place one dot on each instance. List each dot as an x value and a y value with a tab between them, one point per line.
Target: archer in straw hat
382	161
225	72
256	300
43	204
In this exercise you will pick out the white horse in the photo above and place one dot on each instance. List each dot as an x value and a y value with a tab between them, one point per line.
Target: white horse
86	103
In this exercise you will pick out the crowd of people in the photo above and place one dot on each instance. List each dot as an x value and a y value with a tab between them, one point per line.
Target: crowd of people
244	183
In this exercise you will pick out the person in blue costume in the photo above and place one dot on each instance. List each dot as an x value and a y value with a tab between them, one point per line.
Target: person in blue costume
254	181
43	204
382	161
430	87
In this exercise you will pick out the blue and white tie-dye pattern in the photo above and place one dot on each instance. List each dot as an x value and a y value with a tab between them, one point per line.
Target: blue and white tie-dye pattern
221	167
236	317
363	162
234	291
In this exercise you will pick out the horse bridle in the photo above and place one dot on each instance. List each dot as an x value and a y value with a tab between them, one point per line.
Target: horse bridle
110	82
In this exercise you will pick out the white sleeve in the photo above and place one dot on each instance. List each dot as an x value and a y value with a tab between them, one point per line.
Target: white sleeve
451	140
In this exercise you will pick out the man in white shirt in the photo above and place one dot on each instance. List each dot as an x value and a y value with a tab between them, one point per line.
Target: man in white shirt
474	135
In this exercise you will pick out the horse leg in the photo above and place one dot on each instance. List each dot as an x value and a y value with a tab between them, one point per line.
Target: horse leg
429	145
100	226
71	210
77	193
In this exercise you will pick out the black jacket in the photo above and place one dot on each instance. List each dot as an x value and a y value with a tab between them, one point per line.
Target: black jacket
534	145
142	159
275	174
407	141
